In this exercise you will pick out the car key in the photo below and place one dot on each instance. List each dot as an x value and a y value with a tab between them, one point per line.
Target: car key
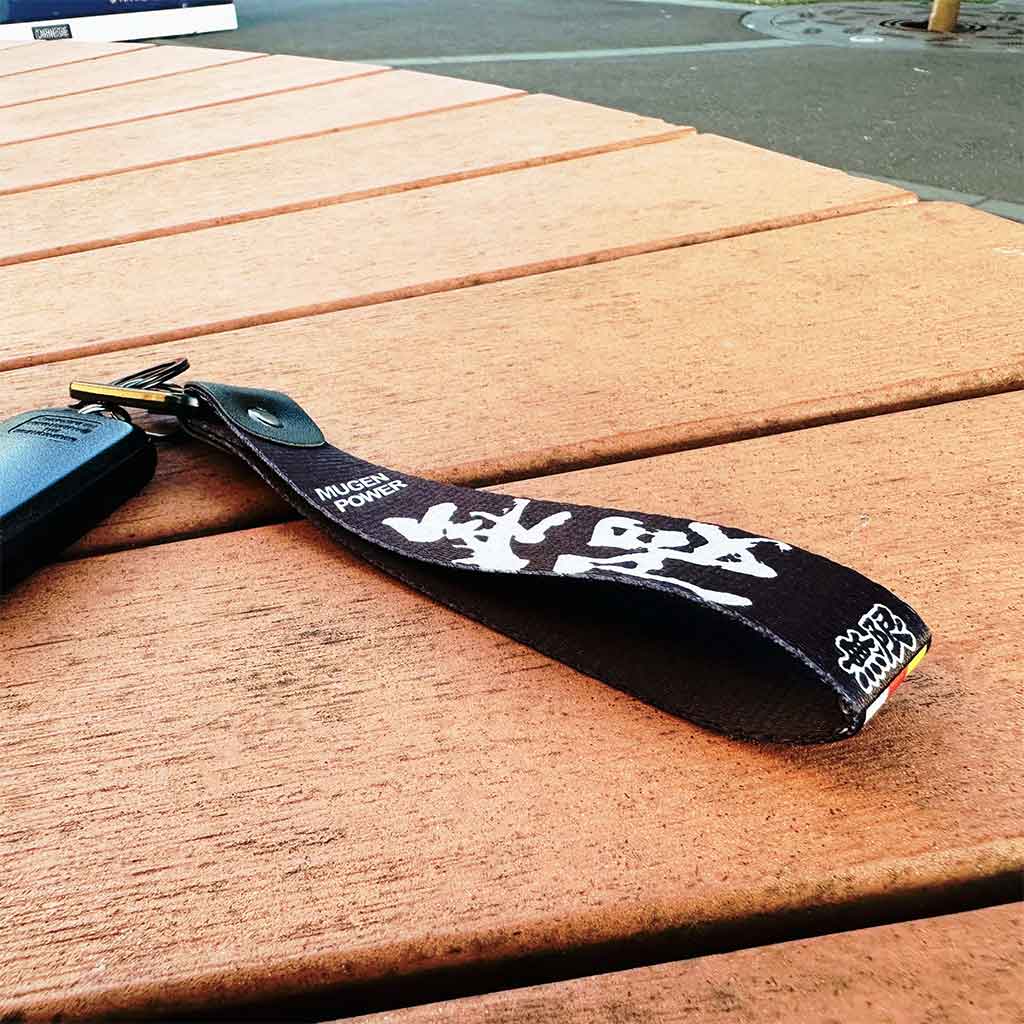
63	470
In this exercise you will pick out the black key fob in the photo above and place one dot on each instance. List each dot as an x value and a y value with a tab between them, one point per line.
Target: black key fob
61	472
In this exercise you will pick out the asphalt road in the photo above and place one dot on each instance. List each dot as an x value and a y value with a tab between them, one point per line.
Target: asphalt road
952	120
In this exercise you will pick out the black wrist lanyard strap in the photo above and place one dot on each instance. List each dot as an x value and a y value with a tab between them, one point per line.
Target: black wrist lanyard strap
744	634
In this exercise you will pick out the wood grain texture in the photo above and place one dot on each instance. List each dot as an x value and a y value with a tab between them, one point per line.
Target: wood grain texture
652	354
301	113
962	967
21	57
530	221
262	768
125	68
339	166
258	76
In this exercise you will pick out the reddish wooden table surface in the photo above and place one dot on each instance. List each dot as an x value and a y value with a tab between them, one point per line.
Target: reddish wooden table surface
562	301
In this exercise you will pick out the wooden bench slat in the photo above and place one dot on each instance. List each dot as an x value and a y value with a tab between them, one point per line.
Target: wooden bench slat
962	967
129	67
265	768
20	57
245	123
435	239
258	76
256	182
657	353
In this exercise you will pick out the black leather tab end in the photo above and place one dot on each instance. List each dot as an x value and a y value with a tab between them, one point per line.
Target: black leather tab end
269	415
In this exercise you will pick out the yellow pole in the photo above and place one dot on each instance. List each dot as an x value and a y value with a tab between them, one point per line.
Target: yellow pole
944	15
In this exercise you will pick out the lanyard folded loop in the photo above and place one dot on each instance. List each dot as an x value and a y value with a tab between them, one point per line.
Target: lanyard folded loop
744	634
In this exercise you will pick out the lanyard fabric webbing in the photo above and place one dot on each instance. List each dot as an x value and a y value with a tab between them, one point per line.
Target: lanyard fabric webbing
745	634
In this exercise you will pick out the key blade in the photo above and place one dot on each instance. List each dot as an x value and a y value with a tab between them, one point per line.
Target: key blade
170	403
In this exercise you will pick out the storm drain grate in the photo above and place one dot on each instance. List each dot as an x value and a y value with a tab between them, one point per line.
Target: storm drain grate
899	26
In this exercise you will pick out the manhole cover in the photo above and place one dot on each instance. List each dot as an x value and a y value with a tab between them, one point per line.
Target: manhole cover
892	26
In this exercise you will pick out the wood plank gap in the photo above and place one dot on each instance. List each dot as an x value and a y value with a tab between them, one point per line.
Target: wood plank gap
450	284
963	967
65	63
351	197
512	95
552	348
199	106
903	396
308	990
242	58
632	448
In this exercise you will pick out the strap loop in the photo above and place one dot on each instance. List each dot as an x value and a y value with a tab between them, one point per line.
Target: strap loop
745	634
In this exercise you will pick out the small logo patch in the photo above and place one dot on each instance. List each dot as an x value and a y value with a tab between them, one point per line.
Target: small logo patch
51	31
877	645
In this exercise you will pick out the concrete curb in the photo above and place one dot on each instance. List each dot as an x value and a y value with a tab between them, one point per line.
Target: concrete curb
933	193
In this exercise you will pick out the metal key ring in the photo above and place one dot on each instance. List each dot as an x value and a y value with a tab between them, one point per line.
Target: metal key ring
114	410
162	435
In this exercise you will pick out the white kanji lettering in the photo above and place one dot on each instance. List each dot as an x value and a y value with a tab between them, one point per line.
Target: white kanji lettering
488	538
874	647
649	550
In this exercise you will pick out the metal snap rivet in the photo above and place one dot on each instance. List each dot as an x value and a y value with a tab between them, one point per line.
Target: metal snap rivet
268	419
